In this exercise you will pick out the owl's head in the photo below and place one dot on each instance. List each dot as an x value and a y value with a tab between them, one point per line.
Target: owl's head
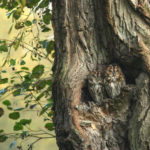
113	72
95	76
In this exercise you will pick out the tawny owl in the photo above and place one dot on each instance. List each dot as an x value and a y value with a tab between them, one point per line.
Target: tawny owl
113	80
95	86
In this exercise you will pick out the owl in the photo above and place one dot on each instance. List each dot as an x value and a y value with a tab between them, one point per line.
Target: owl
114	80
95	86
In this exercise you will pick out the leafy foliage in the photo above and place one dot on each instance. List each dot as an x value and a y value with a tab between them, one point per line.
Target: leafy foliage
32	84
18	126
13	62
3	81
37	71
49	126
25	121
3	138
17	92
7	103
3	46
14	115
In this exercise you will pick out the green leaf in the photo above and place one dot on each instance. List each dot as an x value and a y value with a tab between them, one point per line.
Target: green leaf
41	85
10	108
22	62
40	96
4	71
12	145
37	71
34	21
51	114
12	81
10	29
13	62
11	5
45	29
3	138
24	134
14	115
50	101
17	13
17	92
1	112
1	131
33	106
18	126
19	109
26	84
49	126
47	17
17	43
45	108
3	81
7	103
18	72
23	2
43	3
25	121
49	82
28	23
4	48
27	96
44	43
27	77
31	3
43	111
50	47
3	91
3	3
25	68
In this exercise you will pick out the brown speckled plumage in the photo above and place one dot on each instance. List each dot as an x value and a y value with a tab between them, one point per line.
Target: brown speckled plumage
95	85
114	80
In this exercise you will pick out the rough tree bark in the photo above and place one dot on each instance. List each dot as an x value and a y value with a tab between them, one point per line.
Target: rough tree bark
90	34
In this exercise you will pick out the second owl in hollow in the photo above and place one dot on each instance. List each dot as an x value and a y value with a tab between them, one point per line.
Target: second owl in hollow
95	86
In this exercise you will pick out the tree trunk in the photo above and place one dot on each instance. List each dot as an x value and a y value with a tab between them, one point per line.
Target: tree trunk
90	35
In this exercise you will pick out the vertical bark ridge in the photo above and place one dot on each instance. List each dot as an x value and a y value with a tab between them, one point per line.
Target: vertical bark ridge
76	47
139	135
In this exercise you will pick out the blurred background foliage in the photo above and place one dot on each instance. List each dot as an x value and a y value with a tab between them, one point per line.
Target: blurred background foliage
27	51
